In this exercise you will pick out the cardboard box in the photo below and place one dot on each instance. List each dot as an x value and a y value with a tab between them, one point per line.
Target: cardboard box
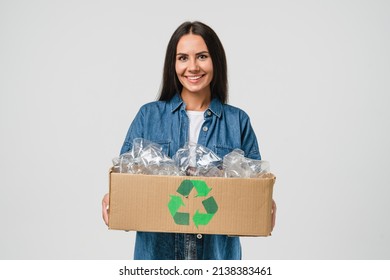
208	205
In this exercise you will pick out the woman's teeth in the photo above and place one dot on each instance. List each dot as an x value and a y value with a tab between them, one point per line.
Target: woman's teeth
194	77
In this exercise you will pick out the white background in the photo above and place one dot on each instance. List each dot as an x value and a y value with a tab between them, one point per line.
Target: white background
312	75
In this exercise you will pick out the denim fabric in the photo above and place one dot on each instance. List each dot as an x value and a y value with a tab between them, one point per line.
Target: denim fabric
225	128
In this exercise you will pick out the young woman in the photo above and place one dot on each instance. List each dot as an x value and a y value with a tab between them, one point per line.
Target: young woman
192	108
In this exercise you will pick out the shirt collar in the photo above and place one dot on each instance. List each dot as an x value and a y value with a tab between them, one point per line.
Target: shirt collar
176	102
215	105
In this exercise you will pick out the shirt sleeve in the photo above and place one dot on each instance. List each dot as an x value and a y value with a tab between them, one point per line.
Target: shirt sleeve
135	131
249	142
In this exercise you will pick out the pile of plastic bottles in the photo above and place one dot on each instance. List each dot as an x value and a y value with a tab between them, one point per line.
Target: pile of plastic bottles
147	157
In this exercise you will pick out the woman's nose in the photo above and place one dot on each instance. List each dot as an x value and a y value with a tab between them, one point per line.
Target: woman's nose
193	65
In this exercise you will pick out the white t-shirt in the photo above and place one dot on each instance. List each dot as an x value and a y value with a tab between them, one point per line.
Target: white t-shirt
196	121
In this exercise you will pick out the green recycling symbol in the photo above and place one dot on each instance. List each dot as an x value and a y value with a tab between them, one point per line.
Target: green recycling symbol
176	201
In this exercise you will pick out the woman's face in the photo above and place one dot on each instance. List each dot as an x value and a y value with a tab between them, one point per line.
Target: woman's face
194	67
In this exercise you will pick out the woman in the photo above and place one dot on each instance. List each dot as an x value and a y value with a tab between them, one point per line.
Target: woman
192	108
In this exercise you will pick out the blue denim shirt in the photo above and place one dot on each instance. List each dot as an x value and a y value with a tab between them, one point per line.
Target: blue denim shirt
225	128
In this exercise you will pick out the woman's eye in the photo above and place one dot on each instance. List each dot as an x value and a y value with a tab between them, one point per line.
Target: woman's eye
202	57
183	58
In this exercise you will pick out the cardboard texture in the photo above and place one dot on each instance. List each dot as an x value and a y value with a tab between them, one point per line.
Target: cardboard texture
208	205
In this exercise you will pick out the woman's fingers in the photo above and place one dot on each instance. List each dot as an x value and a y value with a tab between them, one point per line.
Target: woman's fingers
105	208
273	214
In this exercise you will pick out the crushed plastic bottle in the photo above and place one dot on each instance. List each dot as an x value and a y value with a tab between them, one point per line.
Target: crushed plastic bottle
236	165
146	157
197	160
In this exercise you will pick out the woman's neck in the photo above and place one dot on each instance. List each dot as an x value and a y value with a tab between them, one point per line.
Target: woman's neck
196	101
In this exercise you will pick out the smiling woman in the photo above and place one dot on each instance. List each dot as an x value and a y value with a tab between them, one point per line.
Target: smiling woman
200	41
192	108
194	69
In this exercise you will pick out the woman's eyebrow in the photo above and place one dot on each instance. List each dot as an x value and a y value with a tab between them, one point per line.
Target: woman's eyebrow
202	52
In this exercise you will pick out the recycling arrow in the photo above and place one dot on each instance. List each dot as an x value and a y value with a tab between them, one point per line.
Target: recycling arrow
187	185
201	218
174	205
211	207
176	202
201	188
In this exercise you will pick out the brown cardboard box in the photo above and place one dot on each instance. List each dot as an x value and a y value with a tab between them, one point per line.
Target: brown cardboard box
210	205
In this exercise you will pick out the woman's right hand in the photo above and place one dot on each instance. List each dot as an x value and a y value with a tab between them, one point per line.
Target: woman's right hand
105	207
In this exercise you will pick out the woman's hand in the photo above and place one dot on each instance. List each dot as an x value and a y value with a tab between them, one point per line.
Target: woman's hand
105	207
273	214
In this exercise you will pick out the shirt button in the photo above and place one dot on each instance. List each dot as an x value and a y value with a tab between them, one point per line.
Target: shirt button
205	128
209	113
199	236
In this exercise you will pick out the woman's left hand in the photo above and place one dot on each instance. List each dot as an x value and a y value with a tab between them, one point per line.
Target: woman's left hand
273	214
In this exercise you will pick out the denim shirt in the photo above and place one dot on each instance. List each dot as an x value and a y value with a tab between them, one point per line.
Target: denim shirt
166	122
